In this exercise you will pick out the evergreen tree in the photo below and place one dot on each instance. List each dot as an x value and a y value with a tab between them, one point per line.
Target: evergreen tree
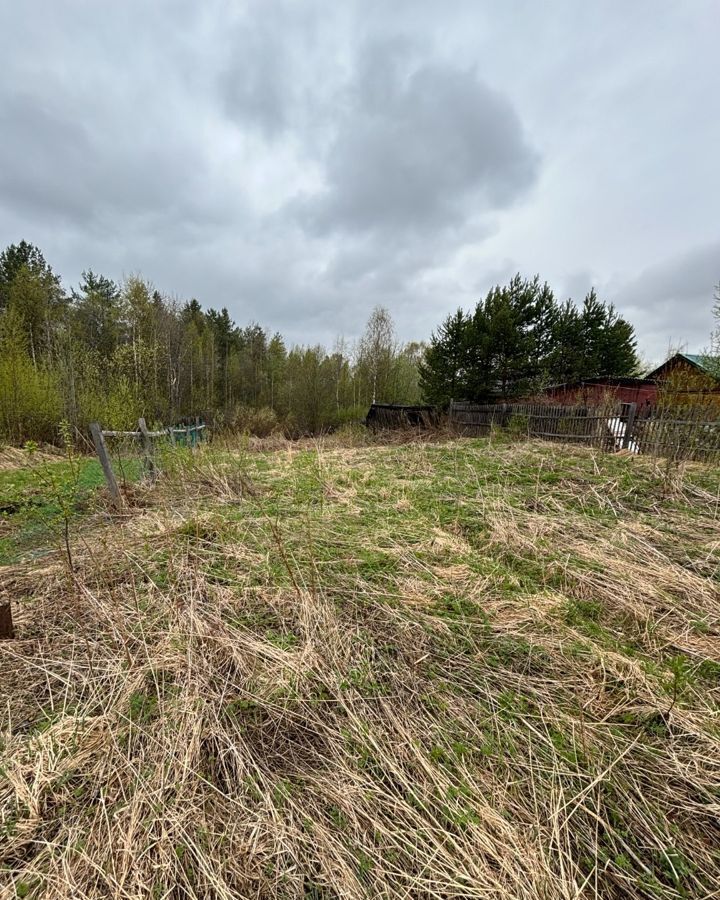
28	284
608	341
26	256
513	337
444	367
97	313
566	360
276	367
519	338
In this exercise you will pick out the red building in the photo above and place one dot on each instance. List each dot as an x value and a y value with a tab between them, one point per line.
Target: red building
684	378
594	391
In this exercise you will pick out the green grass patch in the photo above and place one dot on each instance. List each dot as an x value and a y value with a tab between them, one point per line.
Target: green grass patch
35	499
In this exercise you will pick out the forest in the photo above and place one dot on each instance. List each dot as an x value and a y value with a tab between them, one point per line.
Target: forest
112	352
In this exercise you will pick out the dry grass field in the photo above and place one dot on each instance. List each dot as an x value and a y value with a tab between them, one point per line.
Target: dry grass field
463	669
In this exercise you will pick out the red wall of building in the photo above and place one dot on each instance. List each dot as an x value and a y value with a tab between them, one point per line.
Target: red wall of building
595	394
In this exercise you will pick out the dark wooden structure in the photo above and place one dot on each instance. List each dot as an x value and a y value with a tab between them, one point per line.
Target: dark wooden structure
392	416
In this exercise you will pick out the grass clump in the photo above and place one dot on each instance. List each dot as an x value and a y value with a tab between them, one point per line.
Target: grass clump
458	669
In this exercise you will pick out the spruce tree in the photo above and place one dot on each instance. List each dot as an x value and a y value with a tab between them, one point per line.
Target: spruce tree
444	366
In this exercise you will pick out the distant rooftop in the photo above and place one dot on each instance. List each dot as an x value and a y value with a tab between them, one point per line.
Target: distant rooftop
708	364
700	359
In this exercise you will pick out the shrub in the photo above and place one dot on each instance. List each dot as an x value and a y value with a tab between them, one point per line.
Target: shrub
30	402
258	422
518	426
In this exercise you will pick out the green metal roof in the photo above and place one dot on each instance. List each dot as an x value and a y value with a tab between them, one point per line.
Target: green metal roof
708	364
701	361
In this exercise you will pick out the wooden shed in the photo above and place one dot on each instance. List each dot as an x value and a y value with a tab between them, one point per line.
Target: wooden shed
383	416
688	378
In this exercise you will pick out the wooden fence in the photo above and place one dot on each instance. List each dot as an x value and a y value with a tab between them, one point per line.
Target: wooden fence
691	432
677	432
185	435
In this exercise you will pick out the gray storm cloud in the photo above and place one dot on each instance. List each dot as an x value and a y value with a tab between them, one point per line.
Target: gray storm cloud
673	297
420	151
300	163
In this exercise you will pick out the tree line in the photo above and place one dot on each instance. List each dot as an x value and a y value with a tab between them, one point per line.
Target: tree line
113	352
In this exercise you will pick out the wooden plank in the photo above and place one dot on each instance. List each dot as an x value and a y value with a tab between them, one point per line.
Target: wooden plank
630	426
181	430
102	453
136	434
150	467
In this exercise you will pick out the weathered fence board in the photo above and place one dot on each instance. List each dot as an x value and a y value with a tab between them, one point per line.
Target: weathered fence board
683	433
191	437
101	450
382	416
149	459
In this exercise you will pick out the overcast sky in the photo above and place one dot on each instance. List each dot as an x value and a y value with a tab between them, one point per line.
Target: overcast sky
301	162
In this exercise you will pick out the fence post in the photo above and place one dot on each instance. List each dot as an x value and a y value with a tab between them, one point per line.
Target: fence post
629	425
102	453
147	448
7	632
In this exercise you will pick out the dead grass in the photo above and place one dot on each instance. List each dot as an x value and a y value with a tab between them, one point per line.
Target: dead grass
413	671
15	457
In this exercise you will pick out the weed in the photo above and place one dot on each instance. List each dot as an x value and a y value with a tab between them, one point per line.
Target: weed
419	670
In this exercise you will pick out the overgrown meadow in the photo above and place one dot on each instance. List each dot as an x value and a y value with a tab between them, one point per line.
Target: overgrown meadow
462	668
